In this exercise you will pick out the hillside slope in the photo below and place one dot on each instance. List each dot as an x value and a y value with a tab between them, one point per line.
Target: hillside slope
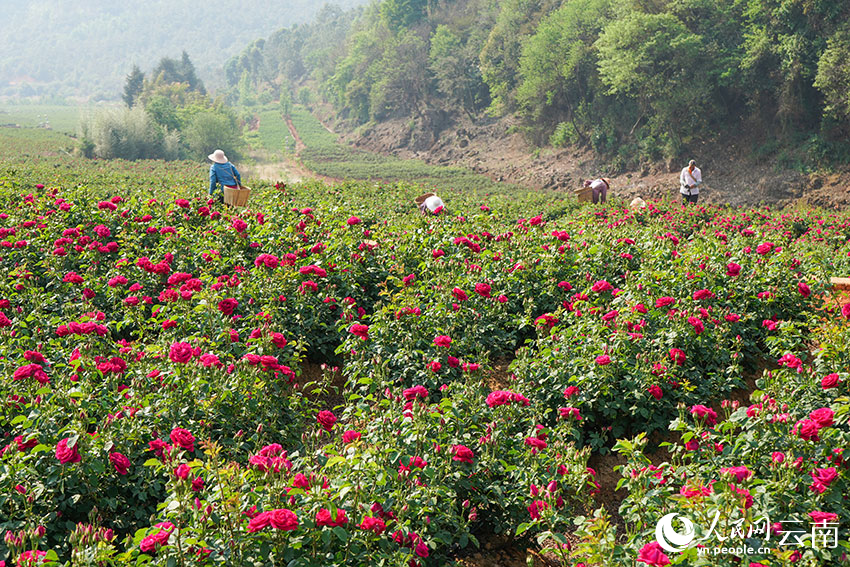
494	148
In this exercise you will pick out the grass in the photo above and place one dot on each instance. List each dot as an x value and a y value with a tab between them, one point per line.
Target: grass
59	118
273	134
325	155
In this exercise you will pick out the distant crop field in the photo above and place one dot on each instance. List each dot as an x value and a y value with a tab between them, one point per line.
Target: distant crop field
59	118
326	156
274	133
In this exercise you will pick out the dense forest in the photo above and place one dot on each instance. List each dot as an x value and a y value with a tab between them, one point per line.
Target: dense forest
636	79
84	48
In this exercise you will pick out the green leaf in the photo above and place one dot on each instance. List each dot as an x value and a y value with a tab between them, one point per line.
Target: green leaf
340	533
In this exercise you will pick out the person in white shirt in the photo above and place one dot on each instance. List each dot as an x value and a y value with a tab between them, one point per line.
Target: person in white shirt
689	182
432	204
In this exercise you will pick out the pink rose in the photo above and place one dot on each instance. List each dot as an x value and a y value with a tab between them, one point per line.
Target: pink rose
705	413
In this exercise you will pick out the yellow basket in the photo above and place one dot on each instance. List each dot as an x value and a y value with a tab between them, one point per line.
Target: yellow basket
584	195
237	197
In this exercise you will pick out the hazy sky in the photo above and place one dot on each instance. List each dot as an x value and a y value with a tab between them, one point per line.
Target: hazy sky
87	47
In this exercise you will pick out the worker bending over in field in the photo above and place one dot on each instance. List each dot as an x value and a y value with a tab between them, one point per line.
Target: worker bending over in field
430	203
600	188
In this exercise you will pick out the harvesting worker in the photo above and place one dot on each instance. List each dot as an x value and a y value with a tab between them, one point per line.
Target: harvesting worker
223	173
600	188
689	182
430	203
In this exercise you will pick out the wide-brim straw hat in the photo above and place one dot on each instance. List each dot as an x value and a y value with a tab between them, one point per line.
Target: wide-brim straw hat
218	156
421	198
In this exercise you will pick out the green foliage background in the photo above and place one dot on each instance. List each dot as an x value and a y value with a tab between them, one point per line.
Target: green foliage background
636	80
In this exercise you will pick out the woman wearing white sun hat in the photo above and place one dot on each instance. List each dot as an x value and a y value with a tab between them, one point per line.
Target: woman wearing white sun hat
223	173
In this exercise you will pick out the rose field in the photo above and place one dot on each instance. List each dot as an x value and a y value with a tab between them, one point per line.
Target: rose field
328	378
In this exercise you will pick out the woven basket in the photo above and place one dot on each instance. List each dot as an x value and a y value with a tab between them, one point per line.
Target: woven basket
237	197
584	194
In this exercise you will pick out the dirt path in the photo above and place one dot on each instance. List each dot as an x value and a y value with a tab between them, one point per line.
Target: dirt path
299	143
289	169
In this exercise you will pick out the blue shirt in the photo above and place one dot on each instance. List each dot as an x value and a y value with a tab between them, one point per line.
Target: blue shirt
223	173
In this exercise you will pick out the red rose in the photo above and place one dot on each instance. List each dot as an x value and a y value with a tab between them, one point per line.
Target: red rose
181	353
823	417
829	381
120	462
326	419
656	392
359	330
67	454
228	306
283	519
462	454
652	554
183	438
260	521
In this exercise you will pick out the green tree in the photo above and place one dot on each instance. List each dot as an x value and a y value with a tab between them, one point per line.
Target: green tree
163	111
173	71
354	76
211	129
133	86
833	77
500	55
451	62
402	84
558	68
655	60
402	14
783	43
